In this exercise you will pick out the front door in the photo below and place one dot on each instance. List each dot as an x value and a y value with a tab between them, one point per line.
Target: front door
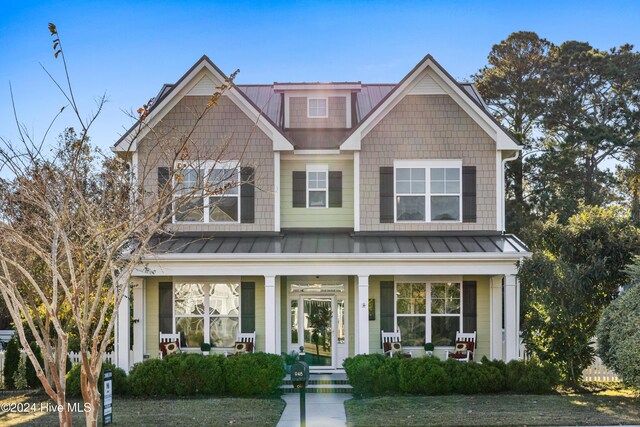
317	322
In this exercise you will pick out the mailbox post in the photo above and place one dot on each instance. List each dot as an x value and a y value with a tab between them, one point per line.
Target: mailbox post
299	378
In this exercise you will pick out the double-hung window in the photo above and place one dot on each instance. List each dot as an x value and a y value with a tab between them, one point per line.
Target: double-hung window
428	190
208	310
317	108
428	312
207	192
317	186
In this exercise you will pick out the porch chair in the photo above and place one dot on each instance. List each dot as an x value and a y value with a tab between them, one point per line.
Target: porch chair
392	343
466	343
165	344
245	343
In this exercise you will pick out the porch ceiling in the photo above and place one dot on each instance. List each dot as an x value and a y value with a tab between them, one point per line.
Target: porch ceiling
340	242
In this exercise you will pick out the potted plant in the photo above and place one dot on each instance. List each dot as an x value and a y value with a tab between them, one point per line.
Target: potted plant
428	348
205	347
289	359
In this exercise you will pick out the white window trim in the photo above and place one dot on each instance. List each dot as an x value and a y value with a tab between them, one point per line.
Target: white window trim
427	165
428	314
317	167
316	98
206	316
207	167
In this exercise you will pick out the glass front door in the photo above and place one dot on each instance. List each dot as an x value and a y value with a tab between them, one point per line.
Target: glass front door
318	322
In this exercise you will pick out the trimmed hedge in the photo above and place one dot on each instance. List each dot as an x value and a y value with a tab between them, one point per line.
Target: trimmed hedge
120	380
376	374
253	374
193	373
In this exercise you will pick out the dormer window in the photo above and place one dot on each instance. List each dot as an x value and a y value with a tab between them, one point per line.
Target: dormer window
317	108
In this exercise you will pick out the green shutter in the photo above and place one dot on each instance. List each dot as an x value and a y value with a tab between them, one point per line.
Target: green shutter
247	196
164	175
248	307
299	182
386	194
469	307
335	189
387	310
165	309
469	194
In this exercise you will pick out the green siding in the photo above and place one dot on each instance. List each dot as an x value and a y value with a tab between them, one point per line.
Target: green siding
291	217
260	324
152	324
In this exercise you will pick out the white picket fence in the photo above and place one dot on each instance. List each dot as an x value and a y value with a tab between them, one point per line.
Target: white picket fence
73	356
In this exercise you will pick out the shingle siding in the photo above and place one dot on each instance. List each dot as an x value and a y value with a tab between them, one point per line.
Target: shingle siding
224	122
427	127
298	114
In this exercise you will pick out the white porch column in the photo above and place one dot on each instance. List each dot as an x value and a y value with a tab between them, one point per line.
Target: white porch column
270	314
362	327
495	321
122	331
137	292
511	321
278	306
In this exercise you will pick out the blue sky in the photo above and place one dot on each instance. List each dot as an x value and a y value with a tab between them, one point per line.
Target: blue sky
129	50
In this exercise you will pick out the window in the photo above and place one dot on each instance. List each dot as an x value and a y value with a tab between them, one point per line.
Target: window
214	191
317	186
445	194
428	312
418	199
207	310
317	108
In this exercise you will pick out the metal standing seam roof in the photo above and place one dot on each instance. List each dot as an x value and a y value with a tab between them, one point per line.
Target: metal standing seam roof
339	243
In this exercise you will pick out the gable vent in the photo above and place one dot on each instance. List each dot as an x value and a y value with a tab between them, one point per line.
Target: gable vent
427	86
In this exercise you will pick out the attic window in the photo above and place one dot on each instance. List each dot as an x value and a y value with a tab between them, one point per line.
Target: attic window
317	108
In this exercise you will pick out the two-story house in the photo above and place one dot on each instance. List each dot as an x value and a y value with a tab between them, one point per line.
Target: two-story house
364	208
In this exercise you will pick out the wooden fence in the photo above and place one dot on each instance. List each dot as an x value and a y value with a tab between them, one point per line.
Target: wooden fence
73	356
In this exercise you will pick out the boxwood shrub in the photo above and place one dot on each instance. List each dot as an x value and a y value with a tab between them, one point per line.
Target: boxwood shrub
376	374
253	374
120	380
193	373
151	378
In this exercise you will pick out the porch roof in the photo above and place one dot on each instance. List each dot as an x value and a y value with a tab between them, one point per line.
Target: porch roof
339	242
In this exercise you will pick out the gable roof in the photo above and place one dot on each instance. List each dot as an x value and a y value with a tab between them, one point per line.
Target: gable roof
469	97
171	91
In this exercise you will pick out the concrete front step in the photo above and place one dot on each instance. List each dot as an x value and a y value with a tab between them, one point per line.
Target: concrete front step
321	383
318	388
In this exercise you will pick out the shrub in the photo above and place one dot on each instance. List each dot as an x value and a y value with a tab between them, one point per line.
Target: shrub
423	375
120	381
194	373
11	362
253	374
151	378
373	373
618	336
32	378
473	378
531	376
20	375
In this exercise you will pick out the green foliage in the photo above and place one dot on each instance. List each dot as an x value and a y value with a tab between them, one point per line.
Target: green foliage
618	335
423	375
375	374
290	358
574	266
195	373
32	378
20	375
253	374
531	377
151	378
11	362
120	380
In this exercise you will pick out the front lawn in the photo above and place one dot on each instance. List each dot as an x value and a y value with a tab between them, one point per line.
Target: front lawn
601	408
160	412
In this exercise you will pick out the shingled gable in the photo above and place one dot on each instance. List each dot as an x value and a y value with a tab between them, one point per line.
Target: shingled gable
429	66
170	97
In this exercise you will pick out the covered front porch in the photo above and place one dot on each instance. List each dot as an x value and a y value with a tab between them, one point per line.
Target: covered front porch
336	309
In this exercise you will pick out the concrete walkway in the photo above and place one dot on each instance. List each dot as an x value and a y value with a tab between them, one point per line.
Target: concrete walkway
323	410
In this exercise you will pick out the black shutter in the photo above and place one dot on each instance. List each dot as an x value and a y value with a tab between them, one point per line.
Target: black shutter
335	189
469	307
163	178
299	189
386	194
165	307
468	194
387	311
247	196
248	307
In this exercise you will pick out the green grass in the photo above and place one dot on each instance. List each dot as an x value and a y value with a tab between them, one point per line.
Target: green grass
601	408
160	412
